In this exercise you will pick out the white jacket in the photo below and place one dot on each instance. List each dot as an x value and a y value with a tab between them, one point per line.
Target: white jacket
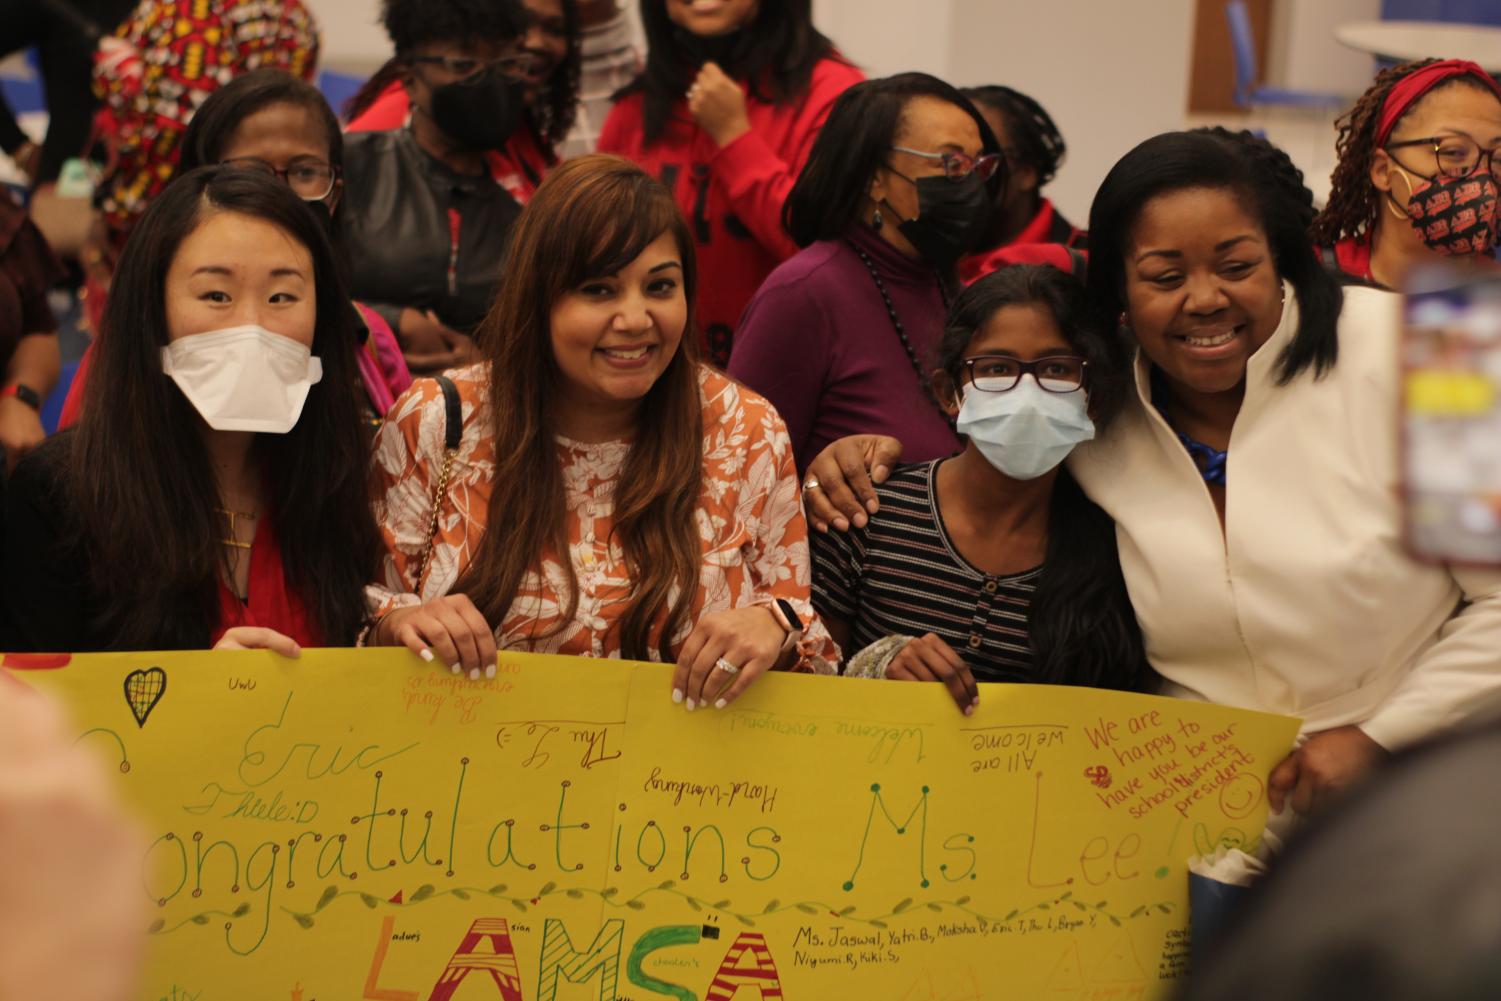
1306	604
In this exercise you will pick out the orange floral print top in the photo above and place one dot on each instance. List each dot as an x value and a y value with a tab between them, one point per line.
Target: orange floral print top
750	518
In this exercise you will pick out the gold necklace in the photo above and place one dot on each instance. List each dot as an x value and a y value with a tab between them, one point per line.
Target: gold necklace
233	517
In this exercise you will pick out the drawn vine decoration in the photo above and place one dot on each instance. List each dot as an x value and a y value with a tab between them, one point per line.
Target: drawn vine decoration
610	895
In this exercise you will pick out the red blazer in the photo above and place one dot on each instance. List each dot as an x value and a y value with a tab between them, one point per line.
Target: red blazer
732	197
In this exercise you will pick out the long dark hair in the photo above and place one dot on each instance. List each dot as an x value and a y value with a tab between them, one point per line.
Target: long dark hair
140	473
775	53
1177	161
856	139
557	106
1082	627
590	217
214	123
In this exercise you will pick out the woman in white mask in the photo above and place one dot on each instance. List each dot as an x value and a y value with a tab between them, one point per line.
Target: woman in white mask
215	491
992	565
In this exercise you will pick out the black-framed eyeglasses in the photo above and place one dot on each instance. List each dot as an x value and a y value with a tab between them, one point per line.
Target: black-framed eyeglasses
957	166
1454	156
1003	373
310	180
469	70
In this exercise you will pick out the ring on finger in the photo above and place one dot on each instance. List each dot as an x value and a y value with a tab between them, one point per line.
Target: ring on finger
726	666
811	483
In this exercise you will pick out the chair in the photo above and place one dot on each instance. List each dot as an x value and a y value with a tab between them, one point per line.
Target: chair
1248	93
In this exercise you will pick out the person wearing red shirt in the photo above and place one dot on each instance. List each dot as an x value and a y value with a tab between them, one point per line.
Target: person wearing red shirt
552	40
1034	151
725	114
1417	177
215	491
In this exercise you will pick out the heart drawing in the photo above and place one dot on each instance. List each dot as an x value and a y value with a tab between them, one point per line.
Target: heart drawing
143	690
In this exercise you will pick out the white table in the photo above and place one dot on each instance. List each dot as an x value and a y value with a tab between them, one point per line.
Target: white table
1407	40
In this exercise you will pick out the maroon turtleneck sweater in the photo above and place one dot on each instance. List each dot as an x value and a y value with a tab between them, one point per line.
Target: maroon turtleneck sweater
817	341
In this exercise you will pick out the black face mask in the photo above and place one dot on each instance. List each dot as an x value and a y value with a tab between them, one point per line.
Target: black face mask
479	114
951	217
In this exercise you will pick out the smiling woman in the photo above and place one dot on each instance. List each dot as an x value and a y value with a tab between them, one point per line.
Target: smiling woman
626	500
1252	475
181	511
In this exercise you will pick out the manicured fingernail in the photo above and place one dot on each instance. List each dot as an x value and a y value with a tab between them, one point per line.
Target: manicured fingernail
859	521
841	524
426	654
969	710
871	505
490	671
457	668
720	704
474	674
690	706
677	695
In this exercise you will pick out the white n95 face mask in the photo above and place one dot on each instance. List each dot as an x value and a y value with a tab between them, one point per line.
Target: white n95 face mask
1025	431
243	378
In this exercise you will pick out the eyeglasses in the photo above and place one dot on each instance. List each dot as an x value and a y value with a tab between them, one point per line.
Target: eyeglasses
957	166
311	180
1455	156
1002	373
467	70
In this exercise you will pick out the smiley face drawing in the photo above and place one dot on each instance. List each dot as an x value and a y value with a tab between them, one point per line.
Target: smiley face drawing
1241	795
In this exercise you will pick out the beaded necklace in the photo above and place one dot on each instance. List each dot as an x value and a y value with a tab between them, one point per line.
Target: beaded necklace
901	331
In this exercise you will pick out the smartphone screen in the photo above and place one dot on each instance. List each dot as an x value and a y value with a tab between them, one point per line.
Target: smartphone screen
1451	415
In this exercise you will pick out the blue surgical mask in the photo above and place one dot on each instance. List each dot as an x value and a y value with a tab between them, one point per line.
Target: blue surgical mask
1026	431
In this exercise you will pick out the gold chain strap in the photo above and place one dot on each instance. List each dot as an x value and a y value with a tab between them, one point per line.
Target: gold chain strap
432	523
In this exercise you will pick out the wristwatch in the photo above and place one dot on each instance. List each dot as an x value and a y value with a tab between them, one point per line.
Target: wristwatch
786	616
24	393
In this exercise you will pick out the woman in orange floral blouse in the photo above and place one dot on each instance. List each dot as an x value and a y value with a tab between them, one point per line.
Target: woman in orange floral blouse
625	501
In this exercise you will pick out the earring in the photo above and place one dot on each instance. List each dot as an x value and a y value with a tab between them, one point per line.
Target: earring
876	220
1396	208
1123	322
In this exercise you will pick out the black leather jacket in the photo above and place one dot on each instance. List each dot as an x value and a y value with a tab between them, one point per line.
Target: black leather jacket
420	234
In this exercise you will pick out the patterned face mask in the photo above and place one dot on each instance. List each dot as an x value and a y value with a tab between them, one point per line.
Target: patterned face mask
1455	216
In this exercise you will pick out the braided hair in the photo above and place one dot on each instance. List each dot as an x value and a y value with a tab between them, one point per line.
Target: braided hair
1035	140
1273	163
1353	202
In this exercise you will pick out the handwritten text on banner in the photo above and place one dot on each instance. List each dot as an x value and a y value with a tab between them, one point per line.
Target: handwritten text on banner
357	825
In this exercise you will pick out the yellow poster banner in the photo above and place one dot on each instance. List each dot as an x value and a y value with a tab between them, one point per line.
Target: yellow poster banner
359	826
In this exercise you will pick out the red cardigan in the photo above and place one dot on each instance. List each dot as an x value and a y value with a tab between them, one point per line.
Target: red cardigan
732	197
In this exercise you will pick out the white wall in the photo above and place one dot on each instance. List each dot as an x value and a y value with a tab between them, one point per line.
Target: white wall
352	38
1304	54
1110	74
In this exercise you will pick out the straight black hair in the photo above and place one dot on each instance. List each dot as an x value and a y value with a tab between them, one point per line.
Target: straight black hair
1179	161
146	496
214	123
827	197
1082	626
775	53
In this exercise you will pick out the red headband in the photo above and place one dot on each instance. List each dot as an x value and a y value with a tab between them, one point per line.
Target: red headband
1419	82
